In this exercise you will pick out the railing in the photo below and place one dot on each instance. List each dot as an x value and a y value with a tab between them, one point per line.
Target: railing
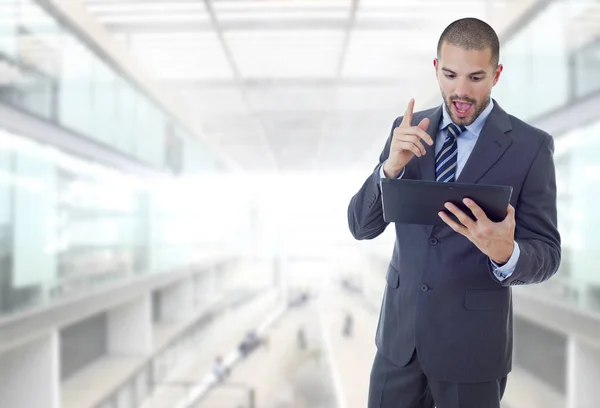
150	366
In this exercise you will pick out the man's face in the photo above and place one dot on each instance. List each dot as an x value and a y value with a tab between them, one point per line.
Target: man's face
466	79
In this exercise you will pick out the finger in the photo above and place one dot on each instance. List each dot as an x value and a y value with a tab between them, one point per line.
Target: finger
510	214
411	139
510	211
462	217
461	229
475	209
424	125
417	131
401	133
407	119
403	146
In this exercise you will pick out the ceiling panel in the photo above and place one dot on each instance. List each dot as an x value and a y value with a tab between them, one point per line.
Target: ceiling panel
380	98
434	7
137	13
213	101
281	5
181	55
232	128
296	84
290	98
286	54
262	15
389	54
124	7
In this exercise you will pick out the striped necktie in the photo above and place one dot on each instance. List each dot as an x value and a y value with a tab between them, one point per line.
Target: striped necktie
445	161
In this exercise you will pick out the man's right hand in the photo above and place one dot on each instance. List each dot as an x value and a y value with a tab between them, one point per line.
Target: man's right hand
406	143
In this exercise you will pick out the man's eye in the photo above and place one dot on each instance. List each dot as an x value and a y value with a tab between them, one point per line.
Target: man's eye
476	78
449	76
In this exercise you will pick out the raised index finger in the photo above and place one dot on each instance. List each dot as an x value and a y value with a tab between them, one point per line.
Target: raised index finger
408	115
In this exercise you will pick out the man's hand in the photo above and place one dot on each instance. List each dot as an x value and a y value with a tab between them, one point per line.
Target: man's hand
495	239
406	143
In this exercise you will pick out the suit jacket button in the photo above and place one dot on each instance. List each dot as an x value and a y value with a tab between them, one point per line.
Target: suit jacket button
433	241
424	287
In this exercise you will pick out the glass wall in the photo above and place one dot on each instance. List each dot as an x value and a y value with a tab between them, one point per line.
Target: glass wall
533	58
586	65
578	178
68	225
551	61
48	71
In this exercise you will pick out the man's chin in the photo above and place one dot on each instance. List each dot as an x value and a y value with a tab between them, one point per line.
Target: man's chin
463	121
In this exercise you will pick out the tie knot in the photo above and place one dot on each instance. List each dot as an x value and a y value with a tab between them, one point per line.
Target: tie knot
455	130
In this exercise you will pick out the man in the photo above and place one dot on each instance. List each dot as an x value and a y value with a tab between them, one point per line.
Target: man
444	336
220	371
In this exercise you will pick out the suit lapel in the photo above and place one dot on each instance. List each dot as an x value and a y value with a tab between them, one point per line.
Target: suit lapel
490	146
427	162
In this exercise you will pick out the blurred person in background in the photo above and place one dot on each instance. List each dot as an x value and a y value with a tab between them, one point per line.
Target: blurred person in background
251	342
444	337
348	324
220	371
301	338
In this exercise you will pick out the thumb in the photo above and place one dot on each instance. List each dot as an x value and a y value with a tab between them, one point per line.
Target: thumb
510	211
424	124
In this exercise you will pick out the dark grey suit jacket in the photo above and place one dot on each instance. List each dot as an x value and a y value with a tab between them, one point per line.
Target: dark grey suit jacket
441	296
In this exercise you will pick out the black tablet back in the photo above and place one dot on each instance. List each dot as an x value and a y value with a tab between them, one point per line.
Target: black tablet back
418	202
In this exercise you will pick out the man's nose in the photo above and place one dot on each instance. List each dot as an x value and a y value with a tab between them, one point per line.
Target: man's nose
463	88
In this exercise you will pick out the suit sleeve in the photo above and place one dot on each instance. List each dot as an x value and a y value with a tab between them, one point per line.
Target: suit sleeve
365	211
536	222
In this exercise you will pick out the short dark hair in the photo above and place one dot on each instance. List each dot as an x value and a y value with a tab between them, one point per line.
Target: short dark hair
471	34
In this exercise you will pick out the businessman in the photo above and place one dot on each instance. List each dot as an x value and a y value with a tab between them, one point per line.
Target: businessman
444	336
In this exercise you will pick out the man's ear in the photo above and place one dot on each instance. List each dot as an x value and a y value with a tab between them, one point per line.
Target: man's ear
497	73
435	63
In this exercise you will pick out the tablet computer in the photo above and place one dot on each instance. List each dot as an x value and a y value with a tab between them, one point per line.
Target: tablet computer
418	201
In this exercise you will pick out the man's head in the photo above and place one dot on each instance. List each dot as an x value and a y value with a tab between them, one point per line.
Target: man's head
467	68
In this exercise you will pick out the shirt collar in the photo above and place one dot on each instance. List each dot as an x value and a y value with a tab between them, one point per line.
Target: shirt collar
476	126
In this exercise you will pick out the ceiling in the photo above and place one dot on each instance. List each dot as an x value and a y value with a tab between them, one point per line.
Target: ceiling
292	85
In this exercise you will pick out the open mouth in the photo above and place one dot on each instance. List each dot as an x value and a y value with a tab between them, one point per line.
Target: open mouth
462	109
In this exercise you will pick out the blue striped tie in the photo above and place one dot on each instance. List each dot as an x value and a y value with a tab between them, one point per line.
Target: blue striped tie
445	161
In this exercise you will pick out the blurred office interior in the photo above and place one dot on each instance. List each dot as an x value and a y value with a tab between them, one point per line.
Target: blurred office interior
174	180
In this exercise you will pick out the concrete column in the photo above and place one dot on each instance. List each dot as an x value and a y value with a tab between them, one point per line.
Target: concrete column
29	375
177	301
583	375
130	328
